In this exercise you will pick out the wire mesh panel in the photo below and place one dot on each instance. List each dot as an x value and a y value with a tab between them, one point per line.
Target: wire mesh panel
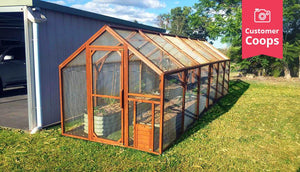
107	118
203	88
220	80
106	73
107	110
156	128
74	96
213	84
142	79
173	93
226	82
190	112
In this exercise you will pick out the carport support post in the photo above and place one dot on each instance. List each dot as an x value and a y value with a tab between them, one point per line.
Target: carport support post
37	76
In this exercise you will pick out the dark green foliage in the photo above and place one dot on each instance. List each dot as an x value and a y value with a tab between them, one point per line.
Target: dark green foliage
212	19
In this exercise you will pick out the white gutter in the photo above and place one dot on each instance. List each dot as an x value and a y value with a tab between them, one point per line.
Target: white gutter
36	17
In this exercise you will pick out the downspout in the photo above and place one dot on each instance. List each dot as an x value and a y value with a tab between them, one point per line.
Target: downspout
36	17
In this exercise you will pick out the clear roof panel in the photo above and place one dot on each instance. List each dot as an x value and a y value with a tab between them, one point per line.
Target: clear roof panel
149	50
106	39
186	49
171	49
221	56
199	49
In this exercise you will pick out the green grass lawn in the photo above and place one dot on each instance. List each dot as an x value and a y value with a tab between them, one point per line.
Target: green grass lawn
255	127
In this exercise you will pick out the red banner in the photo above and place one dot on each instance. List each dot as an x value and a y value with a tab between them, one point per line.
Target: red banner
262	28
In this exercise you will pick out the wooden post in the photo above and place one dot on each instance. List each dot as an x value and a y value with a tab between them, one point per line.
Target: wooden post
161	128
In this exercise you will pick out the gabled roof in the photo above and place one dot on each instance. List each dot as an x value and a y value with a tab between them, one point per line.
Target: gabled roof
73	11
161	52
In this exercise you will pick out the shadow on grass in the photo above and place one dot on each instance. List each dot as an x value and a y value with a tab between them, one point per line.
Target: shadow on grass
236	89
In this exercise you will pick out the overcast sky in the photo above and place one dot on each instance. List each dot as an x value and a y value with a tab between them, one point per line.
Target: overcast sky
143	11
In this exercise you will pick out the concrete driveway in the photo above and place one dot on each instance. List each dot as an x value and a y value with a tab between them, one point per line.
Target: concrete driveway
13	108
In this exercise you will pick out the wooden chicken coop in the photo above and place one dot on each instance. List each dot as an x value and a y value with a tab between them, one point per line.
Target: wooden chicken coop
137	88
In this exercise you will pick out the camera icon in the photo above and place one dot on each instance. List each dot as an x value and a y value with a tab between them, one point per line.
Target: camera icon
262	16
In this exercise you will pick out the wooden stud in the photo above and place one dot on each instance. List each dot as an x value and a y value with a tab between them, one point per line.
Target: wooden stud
161	127
143	101
89	93
144	95
125	92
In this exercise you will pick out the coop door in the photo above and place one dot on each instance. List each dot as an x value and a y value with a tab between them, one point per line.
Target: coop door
143	126
107	94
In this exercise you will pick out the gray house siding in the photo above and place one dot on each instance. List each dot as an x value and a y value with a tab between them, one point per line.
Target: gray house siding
59	37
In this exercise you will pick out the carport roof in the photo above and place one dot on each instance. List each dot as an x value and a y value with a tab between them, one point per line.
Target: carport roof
73	11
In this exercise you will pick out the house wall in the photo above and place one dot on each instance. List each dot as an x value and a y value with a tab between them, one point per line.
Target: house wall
59	37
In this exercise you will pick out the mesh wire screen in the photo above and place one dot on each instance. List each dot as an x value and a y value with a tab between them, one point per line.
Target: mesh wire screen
106	39
156	127
74	96
131	123
190	113
172	108
142	79
226	82
106	73
213	85
107	81
220	80
107	118
203	88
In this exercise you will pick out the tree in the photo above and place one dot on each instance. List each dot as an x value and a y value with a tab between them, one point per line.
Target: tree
178	22
223	18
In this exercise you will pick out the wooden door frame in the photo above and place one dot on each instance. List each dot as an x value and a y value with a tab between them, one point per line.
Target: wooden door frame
89	65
